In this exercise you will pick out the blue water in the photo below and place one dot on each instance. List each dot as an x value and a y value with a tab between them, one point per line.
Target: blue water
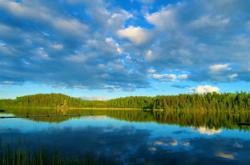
131	142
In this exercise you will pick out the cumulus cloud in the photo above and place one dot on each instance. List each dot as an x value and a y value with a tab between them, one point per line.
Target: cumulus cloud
52	40
166	76
137	35
204	89
41	14
164	19
70	26
98	44
196	35
219	67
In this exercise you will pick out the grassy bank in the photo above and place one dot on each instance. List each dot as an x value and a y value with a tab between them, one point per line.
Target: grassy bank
24	157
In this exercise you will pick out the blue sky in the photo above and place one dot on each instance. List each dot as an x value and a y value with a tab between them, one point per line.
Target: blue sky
113	48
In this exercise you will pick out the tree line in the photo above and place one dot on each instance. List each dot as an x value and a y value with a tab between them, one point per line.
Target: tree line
228	101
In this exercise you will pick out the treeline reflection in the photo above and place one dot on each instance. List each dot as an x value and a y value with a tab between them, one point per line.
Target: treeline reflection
208	118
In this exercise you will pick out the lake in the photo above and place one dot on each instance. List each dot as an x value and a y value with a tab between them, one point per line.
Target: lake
121	141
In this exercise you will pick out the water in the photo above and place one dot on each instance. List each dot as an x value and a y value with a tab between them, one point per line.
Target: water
129	142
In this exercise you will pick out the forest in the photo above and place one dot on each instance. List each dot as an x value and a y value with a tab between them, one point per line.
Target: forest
226	101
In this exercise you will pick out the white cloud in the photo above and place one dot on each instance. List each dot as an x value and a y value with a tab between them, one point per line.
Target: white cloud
110	41
57	46
116	20
210	21
219	67
27	10
184	37
35	12
167	77
43	27
149	55
164	19
42	54
151	71
204	89
183	76
70	26
6	82
137	35
100	98
196	33
17	8
79	58
233	76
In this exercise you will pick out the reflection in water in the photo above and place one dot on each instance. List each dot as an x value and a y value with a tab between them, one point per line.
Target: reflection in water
225	155
205	118
169	142
208	131
126	142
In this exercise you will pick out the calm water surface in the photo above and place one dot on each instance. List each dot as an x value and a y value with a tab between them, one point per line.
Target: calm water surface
129	142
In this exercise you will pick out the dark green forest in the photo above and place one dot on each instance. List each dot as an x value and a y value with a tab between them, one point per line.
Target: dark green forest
227	101
53	100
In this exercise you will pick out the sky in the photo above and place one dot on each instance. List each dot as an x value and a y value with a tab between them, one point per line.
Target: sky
102	49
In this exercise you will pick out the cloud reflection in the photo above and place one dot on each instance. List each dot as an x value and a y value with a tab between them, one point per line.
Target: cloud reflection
208	131
225	155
